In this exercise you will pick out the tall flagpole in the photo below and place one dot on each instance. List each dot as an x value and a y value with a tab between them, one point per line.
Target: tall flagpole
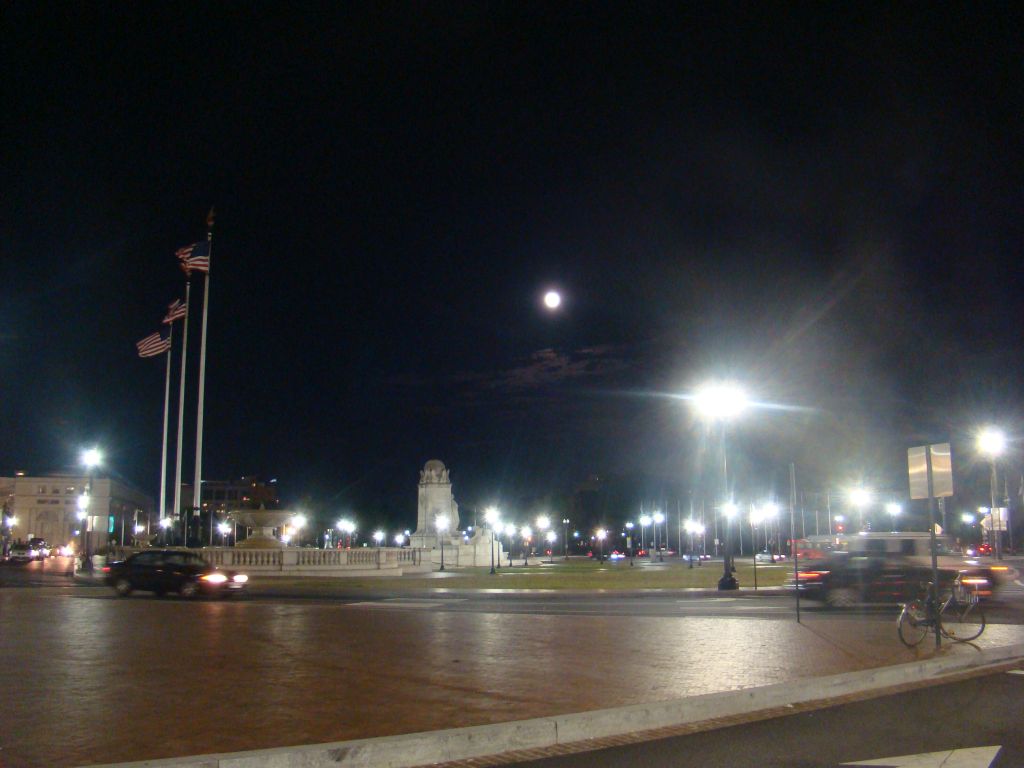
163	446
181	407
197	488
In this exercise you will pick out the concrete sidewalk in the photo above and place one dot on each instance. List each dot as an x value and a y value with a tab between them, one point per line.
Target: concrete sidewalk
588	729
396	682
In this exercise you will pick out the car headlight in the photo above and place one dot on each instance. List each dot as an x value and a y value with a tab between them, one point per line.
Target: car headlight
215	578
240	578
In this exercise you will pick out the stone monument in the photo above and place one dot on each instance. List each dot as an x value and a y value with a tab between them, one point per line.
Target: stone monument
435	499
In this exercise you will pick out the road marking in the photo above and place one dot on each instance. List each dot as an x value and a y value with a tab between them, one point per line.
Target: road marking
972	757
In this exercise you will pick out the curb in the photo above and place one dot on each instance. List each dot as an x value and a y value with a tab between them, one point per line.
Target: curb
416	749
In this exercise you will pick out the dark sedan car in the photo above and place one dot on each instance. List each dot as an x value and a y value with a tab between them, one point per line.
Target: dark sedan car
169	570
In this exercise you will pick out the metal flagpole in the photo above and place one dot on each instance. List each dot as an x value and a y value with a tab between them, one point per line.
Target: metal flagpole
181	409
163	446
792	542
197	488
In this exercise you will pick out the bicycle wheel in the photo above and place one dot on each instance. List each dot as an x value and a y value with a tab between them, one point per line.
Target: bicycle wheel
962	622
912	624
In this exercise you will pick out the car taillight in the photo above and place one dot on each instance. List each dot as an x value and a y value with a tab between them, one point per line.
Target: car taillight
811	575
106	569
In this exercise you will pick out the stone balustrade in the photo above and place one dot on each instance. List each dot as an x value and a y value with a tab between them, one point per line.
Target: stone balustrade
296	561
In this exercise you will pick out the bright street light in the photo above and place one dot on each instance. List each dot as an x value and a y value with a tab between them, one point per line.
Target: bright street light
720	402
992	443
645	520
658	518
894	511
348	528
91	458
378	536
601	535
551	537
860	498
399	539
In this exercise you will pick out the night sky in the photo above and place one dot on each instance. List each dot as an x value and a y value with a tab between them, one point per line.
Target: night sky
822	202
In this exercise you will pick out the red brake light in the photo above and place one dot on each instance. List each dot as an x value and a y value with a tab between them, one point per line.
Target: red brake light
810	575
106	569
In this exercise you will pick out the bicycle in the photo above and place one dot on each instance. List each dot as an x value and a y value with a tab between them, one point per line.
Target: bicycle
960	617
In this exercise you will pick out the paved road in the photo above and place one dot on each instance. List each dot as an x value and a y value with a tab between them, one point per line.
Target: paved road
765	604
958	720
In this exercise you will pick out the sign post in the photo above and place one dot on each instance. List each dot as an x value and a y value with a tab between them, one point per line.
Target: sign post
931	474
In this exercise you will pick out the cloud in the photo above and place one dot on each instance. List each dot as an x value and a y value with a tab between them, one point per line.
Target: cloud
548	367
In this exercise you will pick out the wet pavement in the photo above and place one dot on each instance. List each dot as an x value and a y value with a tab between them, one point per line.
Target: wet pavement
102	679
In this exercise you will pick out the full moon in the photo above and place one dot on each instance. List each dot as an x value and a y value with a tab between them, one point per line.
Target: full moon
552	299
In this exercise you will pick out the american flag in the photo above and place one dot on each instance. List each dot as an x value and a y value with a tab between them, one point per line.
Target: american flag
153	345
175	311
195	257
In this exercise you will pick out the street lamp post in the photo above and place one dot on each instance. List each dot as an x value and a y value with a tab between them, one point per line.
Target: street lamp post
992	443
165	525
491	515
526	534
861	498
645	520
728	581
551	546
629	540
90	458
658	520
441	524
719	404
601	534
894	511
297	523
510	531
565	538
543	524
83	522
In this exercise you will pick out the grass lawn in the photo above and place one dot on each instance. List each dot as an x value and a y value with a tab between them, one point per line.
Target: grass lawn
575	574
